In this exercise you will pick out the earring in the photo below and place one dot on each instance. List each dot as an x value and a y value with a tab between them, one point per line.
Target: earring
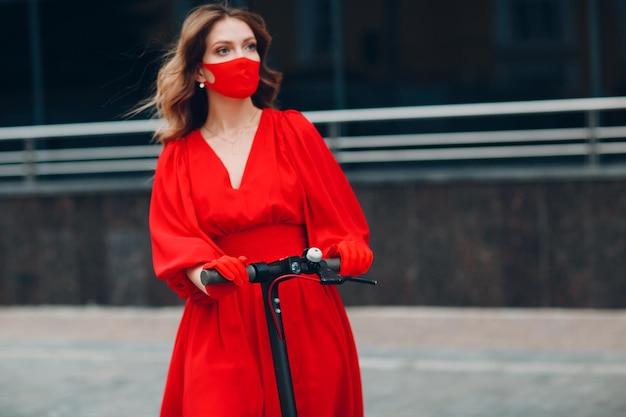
201	85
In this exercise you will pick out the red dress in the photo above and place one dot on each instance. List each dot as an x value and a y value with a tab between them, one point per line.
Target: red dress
293	195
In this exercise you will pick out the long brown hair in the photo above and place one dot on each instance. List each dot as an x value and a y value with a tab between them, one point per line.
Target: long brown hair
178	100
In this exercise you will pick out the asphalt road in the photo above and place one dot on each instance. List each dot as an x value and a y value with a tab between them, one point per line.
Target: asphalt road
417	362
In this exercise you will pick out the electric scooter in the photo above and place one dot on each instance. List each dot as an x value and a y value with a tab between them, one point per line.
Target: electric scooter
269	275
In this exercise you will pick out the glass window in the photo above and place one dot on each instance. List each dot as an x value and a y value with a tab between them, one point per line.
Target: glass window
96	60
16	69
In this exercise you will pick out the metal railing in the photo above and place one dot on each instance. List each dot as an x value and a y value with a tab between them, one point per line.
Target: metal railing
26	165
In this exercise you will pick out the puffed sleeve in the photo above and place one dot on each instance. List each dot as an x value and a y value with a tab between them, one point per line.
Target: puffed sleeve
177	240
332	212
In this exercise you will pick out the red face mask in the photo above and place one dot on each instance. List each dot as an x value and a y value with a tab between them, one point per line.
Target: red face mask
237	78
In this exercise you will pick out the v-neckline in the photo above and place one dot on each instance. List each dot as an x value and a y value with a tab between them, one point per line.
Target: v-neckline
246	165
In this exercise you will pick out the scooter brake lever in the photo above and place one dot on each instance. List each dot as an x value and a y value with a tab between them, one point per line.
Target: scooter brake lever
327	275
361	280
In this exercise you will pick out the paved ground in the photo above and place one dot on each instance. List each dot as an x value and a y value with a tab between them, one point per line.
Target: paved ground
417	362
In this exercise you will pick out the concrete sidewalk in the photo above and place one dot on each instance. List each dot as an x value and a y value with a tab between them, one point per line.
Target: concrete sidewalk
418	362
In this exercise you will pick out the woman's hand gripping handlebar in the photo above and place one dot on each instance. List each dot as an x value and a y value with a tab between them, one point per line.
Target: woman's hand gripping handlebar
310	262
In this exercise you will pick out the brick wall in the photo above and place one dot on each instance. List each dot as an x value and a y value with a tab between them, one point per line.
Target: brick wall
530	244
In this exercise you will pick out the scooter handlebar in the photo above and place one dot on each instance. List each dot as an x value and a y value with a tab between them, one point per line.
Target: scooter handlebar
212	276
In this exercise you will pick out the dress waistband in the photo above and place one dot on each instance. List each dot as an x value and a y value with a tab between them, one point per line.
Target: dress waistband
264	243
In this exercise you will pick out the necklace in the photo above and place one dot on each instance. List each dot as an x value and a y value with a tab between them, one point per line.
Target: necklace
237	133
215	135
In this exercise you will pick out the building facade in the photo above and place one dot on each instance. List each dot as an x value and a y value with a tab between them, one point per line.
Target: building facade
71	61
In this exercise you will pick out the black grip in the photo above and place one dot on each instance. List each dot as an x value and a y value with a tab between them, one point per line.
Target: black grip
333	264
212	277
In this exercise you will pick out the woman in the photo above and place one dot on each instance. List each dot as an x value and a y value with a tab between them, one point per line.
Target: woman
238	182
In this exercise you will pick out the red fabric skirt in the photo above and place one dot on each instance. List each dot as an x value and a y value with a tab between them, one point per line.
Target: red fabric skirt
222	363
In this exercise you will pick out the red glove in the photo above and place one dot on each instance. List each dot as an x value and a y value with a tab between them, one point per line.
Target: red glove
356	257
231	268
